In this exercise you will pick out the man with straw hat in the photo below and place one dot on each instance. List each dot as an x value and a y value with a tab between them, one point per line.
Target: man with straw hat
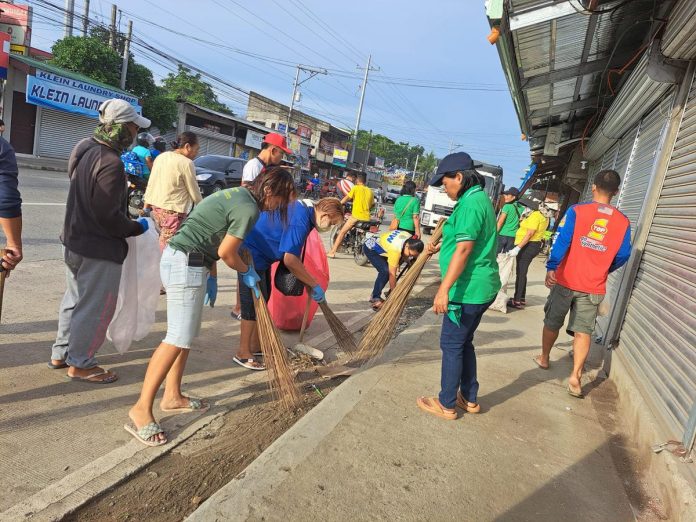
469	284
94	239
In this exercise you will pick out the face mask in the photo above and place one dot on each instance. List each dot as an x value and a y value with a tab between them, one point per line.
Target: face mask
325	226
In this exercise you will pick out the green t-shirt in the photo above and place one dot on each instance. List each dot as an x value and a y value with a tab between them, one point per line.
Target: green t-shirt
404	209
232	211
513	212
472	219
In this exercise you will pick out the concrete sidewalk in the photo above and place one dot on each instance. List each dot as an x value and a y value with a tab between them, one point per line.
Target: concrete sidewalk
368	453
61	442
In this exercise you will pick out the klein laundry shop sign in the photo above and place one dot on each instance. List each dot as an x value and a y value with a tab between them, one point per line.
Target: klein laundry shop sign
65	94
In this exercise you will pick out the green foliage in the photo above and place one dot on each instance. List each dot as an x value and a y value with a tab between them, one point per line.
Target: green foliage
186	86
88	56
399	154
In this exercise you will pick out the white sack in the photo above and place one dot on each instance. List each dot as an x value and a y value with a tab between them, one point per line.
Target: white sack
506	266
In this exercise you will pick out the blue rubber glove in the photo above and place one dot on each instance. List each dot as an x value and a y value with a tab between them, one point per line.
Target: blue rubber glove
250	278
143	224
211	289
318	294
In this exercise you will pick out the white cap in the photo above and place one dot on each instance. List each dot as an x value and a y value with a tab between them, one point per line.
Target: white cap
120	111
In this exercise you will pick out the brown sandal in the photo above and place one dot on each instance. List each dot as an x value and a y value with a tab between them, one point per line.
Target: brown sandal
432	405
464	405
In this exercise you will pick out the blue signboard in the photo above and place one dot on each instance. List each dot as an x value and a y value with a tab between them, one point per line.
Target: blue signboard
530	172
65	94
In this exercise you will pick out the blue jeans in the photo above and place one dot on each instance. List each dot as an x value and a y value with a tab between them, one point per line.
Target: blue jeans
458	356
382	267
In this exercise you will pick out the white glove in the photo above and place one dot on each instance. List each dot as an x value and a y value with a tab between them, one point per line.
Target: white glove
514	252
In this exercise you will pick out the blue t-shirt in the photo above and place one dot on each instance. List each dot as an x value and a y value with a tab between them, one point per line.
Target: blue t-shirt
270	239
142	153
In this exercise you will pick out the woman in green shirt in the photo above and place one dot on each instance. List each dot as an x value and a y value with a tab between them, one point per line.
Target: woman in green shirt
406	210
469	284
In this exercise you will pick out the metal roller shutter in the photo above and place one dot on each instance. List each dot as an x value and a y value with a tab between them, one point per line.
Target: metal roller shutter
59	132
658	336
636	175
213	142
218	147
591	173
608	161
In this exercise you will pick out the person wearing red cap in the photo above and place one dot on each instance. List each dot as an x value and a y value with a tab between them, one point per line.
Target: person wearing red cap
272	149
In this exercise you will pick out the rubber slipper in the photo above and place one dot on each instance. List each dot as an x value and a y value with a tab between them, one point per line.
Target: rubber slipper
89	378
57	366
249	364
578	395
238	316
536	361
146	432
464	405
194	405
432	405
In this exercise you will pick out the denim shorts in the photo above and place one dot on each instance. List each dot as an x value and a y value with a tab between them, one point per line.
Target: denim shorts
185	287
582	306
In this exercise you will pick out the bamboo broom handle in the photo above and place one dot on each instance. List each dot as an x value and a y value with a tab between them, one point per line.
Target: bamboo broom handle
306	315
3	275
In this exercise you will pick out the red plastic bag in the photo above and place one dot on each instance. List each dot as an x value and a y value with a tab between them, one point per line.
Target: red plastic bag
287	311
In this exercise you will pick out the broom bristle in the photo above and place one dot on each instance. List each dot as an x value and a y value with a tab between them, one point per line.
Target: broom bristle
380	330
343	336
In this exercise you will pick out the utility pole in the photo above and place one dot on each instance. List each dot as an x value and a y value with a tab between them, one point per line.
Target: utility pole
369	148
85	19
69	17
312	71
360	107
126	51
415	168
112	28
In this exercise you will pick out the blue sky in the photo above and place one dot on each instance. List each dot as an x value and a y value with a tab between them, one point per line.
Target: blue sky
437	41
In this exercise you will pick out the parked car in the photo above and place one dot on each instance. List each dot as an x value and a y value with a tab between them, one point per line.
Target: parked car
392	194
215	172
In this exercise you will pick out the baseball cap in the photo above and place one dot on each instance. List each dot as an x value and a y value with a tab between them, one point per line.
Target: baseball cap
120	111
457	162
277	140
512	191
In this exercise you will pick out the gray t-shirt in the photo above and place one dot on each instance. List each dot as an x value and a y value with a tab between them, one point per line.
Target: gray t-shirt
232	211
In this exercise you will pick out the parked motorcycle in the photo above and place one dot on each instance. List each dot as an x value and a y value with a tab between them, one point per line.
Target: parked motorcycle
353	241
136	195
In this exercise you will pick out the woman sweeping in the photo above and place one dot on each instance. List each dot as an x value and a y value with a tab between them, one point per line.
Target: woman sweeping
469	284
528	242
406	211
172	189
214	230
280	236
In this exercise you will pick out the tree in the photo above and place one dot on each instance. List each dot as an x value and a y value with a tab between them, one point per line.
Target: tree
93	57
399	154
186	86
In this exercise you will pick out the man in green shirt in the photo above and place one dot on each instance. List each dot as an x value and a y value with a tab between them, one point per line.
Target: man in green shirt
509	220
469	284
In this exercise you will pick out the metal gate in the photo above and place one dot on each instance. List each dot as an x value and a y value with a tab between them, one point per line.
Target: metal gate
607	162
213	142
658	335
60	131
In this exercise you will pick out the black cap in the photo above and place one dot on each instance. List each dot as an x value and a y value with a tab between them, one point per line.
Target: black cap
512	191
457	162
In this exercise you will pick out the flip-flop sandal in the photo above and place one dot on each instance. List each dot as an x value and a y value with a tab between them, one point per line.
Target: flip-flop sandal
432	405
464	405
194	405
249	364
89	378
57	366
377	305
515	304
145	433
238	316
331	257
536	361
578	395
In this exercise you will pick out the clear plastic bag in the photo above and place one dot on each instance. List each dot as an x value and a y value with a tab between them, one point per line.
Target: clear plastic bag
506	266
138	293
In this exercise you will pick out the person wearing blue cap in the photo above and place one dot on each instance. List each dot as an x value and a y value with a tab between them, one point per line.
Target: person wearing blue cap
10	207
470	283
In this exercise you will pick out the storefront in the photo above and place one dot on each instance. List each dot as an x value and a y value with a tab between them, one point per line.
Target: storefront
48	109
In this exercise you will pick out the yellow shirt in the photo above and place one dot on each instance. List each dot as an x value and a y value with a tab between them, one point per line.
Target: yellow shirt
392	245
362	202
172	184
535	221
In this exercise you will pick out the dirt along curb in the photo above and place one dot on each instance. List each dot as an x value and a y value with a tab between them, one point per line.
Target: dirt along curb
167	483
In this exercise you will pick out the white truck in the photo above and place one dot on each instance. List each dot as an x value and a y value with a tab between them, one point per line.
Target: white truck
437	205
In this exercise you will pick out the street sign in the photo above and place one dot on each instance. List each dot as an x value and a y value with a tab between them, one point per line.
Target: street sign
4	54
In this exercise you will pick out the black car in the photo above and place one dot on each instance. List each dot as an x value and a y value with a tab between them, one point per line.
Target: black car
215	172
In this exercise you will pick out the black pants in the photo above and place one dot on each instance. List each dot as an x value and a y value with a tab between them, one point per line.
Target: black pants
524	259
505	243
246	296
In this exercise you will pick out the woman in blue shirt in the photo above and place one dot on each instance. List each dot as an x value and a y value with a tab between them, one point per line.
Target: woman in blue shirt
142	150
275	238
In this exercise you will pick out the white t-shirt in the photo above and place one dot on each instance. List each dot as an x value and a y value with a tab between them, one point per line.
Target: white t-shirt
252	169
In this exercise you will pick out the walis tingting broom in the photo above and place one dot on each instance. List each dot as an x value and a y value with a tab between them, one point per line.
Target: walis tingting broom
380	330
280	376
343	336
